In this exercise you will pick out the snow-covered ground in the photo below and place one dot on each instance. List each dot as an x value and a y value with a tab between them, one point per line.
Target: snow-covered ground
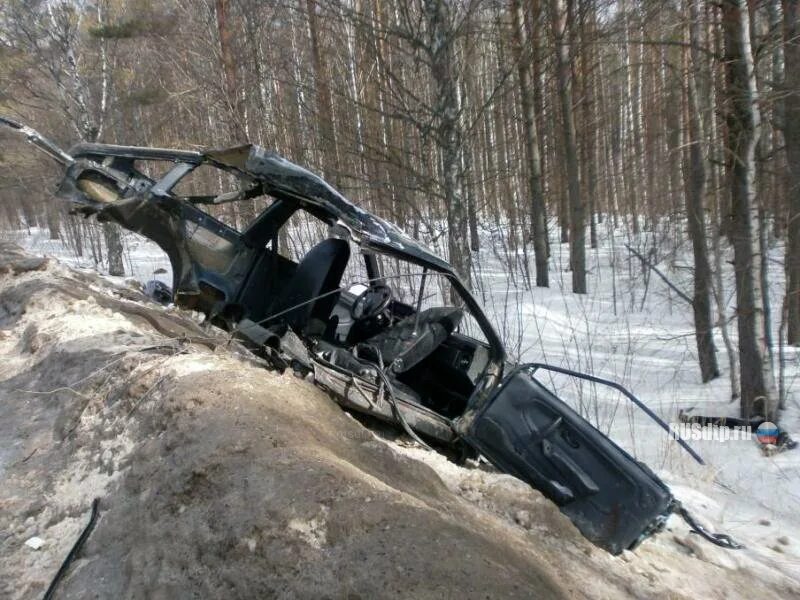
640	336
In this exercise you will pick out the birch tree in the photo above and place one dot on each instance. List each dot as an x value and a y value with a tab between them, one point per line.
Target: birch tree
442	25
56	35
744	127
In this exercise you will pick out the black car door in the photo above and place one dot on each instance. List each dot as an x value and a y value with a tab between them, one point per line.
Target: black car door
526	431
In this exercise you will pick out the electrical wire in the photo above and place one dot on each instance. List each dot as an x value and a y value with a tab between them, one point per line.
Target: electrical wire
396	411
338	290
390	396
720	539
73	553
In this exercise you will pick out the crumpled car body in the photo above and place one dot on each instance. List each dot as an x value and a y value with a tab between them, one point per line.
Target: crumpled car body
375	352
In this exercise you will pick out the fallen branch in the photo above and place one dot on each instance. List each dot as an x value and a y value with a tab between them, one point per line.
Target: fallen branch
663	277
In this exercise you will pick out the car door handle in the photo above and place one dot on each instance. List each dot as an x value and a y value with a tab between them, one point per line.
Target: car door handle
571	470
537	434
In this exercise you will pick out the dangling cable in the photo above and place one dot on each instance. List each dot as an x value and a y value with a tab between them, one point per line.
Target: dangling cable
389	395
396	410
720	539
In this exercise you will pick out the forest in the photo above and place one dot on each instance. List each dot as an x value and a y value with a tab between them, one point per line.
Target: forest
481	127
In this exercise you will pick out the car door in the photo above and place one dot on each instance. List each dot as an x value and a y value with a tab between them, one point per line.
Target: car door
526	431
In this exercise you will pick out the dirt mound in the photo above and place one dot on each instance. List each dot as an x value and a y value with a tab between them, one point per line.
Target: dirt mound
217	478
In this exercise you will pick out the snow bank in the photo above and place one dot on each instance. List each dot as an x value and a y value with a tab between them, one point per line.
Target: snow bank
740	492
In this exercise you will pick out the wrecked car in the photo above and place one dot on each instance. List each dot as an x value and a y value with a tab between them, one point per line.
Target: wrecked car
372	315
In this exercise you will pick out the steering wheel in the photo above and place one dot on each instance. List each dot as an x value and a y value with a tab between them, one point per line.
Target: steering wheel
371	302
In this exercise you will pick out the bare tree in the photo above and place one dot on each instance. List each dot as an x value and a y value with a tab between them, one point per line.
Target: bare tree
232	95
69	74
744	126
326	128
443	26
533	161
456	119
791	134
694	173
561	19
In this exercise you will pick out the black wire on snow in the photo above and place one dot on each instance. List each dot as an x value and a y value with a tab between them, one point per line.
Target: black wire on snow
76	548
720	539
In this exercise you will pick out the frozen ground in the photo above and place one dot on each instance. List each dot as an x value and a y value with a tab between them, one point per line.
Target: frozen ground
645	342
216	478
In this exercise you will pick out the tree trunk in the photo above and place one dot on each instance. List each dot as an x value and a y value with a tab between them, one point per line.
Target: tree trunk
720	195
447	114
744	126
326	130
230	80
791	135
113	249
531	138
560	20
233	99
694	174
590	121
53	222
630	121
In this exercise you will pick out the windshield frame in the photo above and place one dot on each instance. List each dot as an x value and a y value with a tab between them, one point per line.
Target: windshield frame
497	350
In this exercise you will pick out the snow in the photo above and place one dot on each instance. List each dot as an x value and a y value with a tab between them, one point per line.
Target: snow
34	543
640	336
142	258
648	346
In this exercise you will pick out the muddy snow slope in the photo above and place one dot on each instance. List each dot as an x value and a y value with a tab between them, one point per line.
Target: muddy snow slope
217	478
